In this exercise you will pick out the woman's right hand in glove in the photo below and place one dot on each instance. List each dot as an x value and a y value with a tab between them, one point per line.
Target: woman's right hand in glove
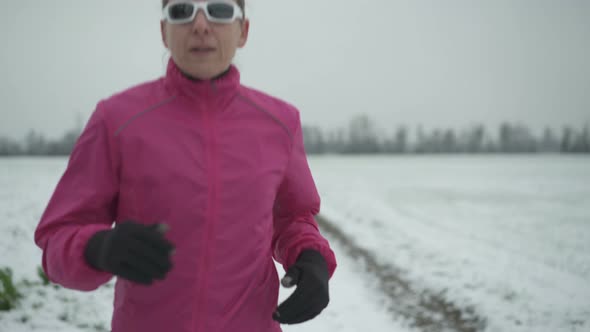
133	251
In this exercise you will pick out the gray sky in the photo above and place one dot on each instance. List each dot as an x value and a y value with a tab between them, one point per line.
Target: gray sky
441	63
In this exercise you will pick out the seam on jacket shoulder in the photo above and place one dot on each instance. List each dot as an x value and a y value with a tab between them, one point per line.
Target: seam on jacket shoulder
149	109
261	109
110	148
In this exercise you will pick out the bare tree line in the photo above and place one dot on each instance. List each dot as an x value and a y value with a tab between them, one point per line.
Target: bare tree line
36	144
362	137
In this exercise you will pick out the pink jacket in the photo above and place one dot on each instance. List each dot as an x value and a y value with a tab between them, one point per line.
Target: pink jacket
224	166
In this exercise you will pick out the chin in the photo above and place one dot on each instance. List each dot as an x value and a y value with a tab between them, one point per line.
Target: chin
202	73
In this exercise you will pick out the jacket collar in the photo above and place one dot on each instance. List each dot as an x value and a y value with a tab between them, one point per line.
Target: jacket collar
221	87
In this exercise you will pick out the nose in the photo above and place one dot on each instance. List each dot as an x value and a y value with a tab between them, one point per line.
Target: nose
200	24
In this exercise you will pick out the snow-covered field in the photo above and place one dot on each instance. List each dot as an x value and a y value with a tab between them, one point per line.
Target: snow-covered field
507	236
442	243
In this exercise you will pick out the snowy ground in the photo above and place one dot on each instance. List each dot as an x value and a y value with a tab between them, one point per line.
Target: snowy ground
25	186
490	243
505	236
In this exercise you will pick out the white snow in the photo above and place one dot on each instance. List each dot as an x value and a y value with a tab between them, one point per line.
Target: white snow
25	186
508	236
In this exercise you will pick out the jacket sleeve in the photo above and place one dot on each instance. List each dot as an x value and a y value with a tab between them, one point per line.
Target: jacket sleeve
83	202
296	204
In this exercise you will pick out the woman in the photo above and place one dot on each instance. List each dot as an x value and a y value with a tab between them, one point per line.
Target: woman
205	181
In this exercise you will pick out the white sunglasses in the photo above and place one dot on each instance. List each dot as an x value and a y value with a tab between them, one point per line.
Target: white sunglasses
216	11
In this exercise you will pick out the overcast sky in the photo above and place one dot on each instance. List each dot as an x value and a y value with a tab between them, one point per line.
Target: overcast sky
441	63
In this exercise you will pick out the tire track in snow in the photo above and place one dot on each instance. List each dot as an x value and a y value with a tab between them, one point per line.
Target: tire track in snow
426	310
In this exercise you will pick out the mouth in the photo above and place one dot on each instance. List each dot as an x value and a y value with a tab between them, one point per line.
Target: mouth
202	50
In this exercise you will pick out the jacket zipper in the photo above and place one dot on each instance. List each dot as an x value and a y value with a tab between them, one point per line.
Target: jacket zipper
211	206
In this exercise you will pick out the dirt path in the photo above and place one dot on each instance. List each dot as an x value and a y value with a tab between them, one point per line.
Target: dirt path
426	310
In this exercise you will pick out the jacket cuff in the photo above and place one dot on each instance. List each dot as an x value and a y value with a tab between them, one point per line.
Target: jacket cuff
67	265
310	251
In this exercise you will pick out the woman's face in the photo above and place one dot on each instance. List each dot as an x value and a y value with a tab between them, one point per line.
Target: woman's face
203	49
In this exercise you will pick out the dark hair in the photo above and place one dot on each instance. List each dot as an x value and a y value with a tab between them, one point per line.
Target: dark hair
241	3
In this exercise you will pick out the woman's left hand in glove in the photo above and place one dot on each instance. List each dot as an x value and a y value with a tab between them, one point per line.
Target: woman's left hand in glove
310	274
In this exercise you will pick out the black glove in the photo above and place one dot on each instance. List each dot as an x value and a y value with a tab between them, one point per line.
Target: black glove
132	251
310	274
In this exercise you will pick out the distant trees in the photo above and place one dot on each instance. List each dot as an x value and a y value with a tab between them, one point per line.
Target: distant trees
573	141
317	139
9	147
35	144
362	137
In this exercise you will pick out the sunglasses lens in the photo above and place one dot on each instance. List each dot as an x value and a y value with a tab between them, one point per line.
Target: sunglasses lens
181	11
223	11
